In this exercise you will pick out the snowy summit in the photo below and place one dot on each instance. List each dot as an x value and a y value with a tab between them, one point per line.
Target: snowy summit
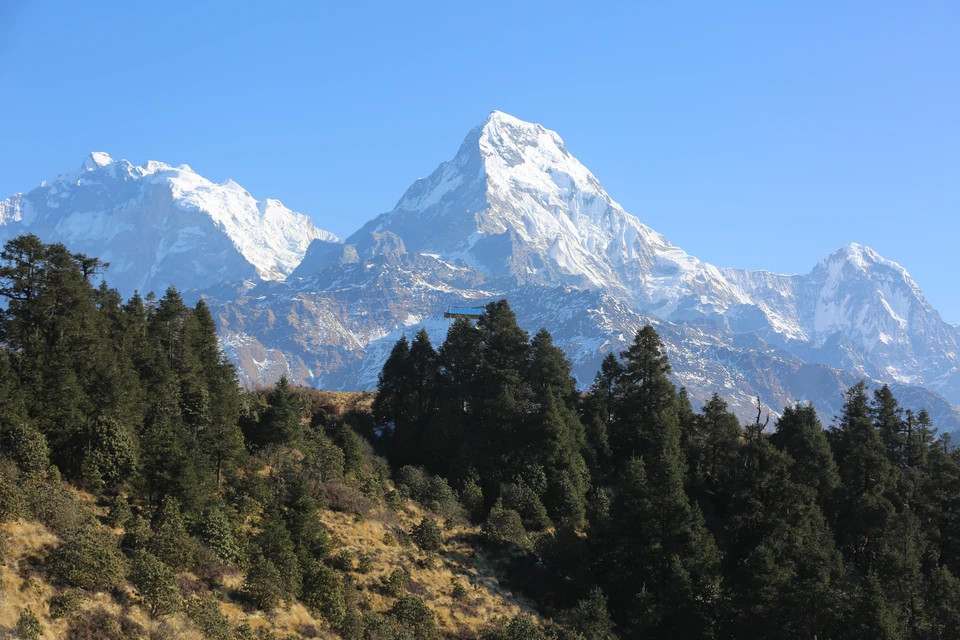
159	225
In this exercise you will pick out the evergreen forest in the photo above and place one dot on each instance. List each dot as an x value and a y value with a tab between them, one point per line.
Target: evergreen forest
145	494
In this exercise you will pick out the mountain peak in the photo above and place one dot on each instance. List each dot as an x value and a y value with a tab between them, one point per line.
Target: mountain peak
501	118
96	160
861	257
504	134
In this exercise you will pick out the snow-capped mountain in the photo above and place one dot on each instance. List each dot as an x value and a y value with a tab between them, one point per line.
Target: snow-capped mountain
512	215
159	225
514	203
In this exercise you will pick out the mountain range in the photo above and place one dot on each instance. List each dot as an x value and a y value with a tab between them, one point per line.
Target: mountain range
513	214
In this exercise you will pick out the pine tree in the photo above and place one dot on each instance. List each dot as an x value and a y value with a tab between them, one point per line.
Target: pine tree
889	423
711	453
170	542
395	406
598	414
864	510
156	584
781	566
646	410
220	437
425	369
800	435
280	423
662	577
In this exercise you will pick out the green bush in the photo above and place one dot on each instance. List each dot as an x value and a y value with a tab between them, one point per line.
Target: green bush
343	561
170	542
88	558
120	514
156	584
413	615
204	611
352	626
137	534
28	625
520	628
50	502
263	585
396	584
525	501
430	491
427	535
4	546
591	618
323	593
65	604
111	455
26	446
505	525
459	591
216	531
12	505
364	563
472	499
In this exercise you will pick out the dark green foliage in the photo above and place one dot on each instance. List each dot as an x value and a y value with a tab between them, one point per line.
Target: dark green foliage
591	618
217	533
110	454
65	603
471	497
120	514
427	535
323	593
430	491
365	563
864	510
28	625
505	525
458	592
653	520
275	544
519	628
800	435
12	504
137	534
156	584
782	568
204	611
264	586
280	423
396	583
88	558
662	577
23	443
170	541
524	500
412	615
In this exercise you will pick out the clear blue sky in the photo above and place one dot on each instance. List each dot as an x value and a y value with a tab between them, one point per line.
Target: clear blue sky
752	134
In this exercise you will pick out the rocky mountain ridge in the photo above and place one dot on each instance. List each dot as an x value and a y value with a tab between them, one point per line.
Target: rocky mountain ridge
513	214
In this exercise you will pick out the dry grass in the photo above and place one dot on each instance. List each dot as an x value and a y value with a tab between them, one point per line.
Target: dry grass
23	586
23	583
335	403
486	597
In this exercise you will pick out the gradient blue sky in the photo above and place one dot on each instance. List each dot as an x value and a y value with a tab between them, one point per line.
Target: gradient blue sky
752	134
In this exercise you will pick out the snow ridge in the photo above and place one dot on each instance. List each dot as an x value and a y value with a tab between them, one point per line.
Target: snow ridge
195	232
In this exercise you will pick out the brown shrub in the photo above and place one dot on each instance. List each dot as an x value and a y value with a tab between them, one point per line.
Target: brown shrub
347	499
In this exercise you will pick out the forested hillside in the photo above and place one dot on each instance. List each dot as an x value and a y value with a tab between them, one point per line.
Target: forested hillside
479	494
